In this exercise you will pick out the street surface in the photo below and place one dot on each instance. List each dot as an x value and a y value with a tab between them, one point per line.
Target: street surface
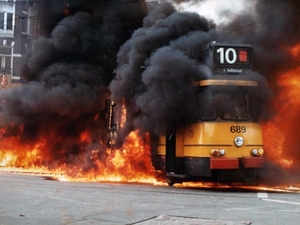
30	200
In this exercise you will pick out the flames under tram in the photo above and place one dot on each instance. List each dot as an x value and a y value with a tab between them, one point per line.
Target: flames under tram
224	141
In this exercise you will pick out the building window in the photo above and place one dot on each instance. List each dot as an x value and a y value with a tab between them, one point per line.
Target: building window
6	21
2	61
9	21
2	20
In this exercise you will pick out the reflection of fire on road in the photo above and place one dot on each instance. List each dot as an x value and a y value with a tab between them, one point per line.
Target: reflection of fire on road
241	187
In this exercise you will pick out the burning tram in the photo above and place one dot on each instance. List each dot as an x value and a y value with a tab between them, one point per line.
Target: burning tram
223	141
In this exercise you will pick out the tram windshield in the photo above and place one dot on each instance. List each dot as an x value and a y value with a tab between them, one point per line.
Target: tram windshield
233	107
229	106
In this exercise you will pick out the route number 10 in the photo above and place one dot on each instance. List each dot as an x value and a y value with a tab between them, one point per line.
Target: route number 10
228	56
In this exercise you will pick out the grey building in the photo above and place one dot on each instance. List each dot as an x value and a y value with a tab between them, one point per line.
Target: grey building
18	26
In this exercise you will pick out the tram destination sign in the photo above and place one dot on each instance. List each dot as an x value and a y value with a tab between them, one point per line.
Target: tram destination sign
232	59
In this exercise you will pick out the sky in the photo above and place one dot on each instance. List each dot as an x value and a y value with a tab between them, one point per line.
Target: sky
218	10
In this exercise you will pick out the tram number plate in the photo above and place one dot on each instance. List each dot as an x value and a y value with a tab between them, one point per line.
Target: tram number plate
238	129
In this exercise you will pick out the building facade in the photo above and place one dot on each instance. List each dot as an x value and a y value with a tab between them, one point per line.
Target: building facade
18	27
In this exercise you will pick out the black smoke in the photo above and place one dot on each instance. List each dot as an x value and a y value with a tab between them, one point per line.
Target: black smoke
273	29
157	68
67	73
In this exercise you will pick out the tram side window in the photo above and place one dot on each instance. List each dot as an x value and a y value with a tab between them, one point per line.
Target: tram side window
206	104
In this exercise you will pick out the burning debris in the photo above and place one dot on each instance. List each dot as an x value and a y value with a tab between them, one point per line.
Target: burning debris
57	119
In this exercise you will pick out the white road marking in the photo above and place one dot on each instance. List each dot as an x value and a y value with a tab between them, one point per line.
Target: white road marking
281	201
289	210
238	209
262	195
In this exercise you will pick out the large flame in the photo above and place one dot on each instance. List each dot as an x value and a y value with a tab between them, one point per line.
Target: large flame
130	163
281	133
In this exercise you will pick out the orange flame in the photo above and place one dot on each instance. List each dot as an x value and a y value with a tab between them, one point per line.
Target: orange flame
130	163
123	117
281	133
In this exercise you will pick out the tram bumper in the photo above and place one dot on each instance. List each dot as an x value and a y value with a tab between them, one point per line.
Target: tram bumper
224	163
235	163
253	162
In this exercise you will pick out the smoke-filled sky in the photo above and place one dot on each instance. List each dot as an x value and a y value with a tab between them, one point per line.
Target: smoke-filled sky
160	60
150	47
217	10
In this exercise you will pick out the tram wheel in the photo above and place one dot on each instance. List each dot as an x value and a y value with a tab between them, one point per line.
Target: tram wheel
170	181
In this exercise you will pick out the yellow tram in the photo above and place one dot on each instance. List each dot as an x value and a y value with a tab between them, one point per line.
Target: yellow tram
224	142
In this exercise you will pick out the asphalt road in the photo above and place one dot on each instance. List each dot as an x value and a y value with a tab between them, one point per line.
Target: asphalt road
30	200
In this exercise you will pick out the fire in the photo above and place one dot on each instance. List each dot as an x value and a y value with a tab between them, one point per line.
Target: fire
281	133
7	159
84	137
240	187
130	163
295	51
123	117
84	158
12	156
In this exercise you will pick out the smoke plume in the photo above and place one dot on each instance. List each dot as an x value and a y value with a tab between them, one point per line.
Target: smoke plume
67	74
273	29
153	52
158	65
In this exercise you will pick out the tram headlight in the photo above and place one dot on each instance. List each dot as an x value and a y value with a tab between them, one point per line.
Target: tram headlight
239	141
222	152
214	152
254	152
261	152
217	152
